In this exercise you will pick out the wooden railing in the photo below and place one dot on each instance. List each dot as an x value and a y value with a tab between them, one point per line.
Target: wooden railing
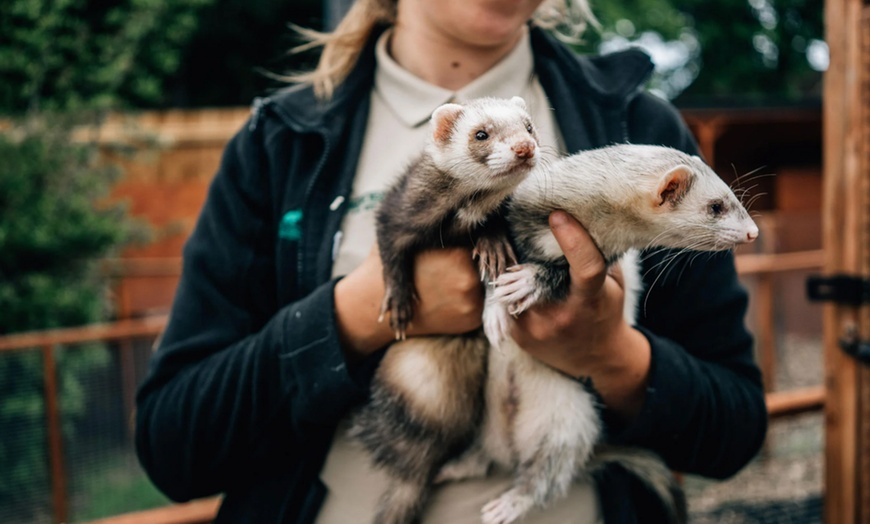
761	267
195	512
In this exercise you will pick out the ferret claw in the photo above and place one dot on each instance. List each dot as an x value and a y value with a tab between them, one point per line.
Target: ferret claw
517	288
401	310
493	256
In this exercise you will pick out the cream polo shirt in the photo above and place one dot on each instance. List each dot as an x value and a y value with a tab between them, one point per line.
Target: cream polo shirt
398	126
397	129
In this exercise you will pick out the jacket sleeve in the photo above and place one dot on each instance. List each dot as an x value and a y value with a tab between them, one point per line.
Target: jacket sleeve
239	380
704	411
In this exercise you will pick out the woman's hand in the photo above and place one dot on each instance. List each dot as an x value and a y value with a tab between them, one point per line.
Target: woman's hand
586	335
449	288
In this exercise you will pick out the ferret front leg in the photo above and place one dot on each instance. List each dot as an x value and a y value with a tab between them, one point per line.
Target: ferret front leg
493	250
496	320
399	291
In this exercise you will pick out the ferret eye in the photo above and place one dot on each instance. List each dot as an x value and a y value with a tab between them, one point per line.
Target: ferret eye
529	128
717	208
481	135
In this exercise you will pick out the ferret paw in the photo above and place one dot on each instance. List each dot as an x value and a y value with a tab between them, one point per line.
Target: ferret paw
508	508
401	310
496	323
493	256
517	288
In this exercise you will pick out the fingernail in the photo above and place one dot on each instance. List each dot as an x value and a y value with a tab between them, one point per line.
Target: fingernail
558	218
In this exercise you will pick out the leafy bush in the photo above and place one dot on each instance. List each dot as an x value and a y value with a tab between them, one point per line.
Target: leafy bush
54	227
82	54
56	224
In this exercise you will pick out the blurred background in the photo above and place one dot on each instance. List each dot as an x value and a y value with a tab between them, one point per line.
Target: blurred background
113	116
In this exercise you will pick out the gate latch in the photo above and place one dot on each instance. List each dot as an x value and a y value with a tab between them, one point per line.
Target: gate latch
841	289
845	290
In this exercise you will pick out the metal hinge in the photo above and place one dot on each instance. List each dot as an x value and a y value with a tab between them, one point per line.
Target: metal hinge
841	289
844	290
852	344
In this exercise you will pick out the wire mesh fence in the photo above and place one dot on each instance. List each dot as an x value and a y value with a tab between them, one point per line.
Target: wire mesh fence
95	384
25	477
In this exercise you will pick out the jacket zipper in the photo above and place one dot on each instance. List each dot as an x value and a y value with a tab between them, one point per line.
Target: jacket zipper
309	190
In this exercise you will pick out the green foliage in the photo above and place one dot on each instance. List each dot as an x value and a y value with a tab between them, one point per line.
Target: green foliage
85	54
661	16
761	52
722	51
56	224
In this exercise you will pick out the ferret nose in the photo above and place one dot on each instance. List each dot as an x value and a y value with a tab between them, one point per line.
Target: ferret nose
752	234
524	149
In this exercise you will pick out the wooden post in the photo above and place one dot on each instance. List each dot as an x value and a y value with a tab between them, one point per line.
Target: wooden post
864	241
765	330
846	230
55	437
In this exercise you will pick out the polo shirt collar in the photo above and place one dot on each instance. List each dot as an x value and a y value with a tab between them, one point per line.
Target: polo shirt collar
413	100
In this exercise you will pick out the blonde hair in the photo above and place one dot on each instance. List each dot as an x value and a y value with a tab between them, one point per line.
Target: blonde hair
568	19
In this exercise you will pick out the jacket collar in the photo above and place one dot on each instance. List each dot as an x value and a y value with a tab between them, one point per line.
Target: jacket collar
303	112
609	80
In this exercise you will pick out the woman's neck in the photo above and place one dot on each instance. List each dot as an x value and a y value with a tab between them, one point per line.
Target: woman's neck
444	61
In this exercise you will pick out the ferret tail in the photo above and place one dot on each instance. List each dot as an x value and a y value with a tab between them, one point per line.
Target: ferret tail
402	502
647	467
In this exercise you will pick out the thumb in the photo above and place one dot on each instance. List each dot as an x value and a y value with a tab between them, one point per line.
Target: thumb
587	266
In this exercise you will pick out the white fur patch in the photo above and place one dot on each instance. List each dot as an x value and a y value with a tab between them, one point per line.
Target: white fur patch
630	266
555	422
419	380
546	243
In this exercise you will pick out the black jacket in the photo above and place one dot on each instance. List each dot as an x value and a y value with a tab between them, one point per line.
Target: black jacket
249	379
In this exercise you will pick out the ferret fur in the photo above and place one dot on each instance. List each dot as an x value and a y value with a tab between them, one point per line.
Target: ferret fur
427	394
538	422
453	193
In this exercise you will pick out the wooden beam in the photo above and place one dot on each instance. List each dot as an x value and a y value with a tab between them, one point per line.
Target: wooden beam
751	264
143	327
196	512
788	403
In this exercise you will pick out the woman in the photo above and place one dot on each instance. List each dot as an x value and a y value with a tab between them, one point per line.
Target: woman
268	347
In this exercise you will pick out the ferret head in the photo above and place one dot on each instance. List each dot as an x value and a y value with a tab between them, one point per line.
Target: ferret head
690	207
486	144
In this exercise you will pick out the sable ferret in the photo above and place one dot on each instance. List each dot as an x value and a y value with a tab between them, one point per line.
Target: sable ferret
427	394
538	422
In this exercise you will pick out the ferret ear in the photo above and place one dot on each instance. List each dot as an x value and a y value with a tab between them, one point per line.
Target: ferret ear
673	186
443	121
519	102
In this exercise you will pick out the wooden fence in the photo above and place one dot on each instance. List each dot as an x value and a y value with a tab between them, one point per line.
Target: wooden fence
760	267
